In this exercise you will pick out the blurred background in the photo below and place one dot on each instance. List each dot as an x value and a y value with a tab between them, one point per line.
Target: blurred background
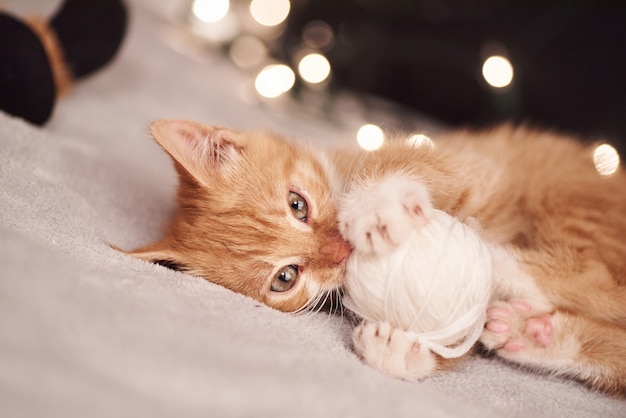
412	65
556	64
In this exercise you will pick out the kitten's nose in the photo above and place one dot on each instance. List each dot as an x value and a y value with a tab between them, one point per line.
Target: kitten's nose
337	249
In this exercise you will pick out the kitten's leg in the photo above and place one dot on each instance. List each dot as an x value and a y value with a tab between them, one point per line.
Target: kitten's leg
391	351
558	342
376	216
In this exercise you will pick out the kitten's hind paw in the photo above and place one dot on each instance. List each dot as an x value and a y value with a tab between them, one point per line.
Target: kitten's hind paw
516	326
392	351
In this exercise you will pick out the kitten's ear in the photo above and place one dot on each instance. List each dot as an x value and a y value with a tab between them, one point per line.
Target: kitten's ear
153	255
198	148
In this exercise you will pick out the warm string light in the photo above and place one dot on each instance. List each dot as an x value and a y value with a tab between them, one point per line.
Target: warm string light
370	137
270	12
498	71
420	140
248	51
219	22
274	80
210	11
606	159
244	28
314	68
213	20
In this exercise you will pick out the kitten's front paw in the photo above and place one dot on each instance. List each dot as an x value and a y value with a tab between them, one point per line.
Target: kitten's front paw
379	216
391	351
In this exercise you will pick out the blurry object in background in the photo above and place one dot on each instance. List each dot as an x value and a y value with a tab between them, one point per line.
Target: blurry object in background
213	20
27	87
314	68
370	137
270	12
274	80
246	30
606	159
247	51
498	71
560	65
210	11
420	140
41	59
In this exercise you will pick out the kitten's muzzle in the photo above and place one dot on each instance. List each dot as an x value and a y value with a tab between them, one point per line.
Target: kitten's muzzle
336	249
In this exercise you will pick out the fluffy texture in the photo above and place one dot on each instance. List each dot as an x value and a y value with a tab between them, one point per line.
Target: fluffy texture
88	331
257	214
436	285
233	204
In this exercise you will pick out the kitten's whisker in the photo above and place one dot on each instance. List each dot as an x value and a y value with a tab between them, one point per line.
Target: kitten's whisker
338	293
339	301
324	300
309	305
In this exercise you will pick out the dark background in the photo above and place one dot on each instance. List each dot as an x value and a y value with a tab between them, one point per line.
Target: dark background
569	59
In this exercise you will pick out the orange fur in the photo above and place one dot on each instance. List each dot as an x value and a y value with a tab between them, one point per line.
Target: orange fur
537	194
233	224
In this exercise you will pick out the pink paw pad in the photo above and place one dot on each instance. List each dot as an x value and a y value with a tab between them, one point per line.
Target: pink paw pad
497	327
513	346
516	326
497	318
540	327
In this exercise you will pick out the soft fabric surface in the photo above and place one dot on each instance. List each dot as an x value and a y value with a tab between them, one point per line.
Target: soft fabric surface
87	331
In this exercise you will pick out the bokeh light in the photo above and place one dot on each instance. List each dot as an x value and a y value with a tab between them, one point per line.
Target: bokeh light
420	140
270	12
210	11
606	159
498	71
247	51
318	34
274	80
370	137
314	68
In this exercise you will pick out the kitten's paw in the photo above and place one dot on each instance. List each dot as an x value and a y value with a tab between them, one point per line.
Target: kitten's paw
517	326
377	217
392	351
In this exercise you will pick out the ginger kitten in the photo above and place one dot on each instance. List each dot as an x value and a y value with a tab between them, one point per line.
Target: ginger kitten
255	214
270	219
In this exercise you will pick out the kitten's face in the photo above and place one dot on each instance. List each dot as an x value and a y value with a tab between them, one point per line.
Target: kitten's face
255	215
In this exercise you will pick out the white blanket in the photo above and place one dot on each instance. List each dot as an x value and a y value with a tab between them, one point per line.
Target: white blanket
87	332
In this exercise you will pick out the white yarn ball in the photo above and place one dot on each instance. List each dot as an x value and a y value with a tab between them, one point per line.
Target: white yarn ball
437	285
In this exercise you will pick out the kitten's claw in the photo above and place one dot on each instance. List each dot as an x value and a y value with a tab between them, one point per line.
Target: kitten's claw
517	325
392	351
376	218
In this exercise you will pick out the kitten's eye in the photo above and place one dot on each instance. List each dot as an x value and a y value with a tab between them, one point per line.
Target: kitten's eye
299	207
285	279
